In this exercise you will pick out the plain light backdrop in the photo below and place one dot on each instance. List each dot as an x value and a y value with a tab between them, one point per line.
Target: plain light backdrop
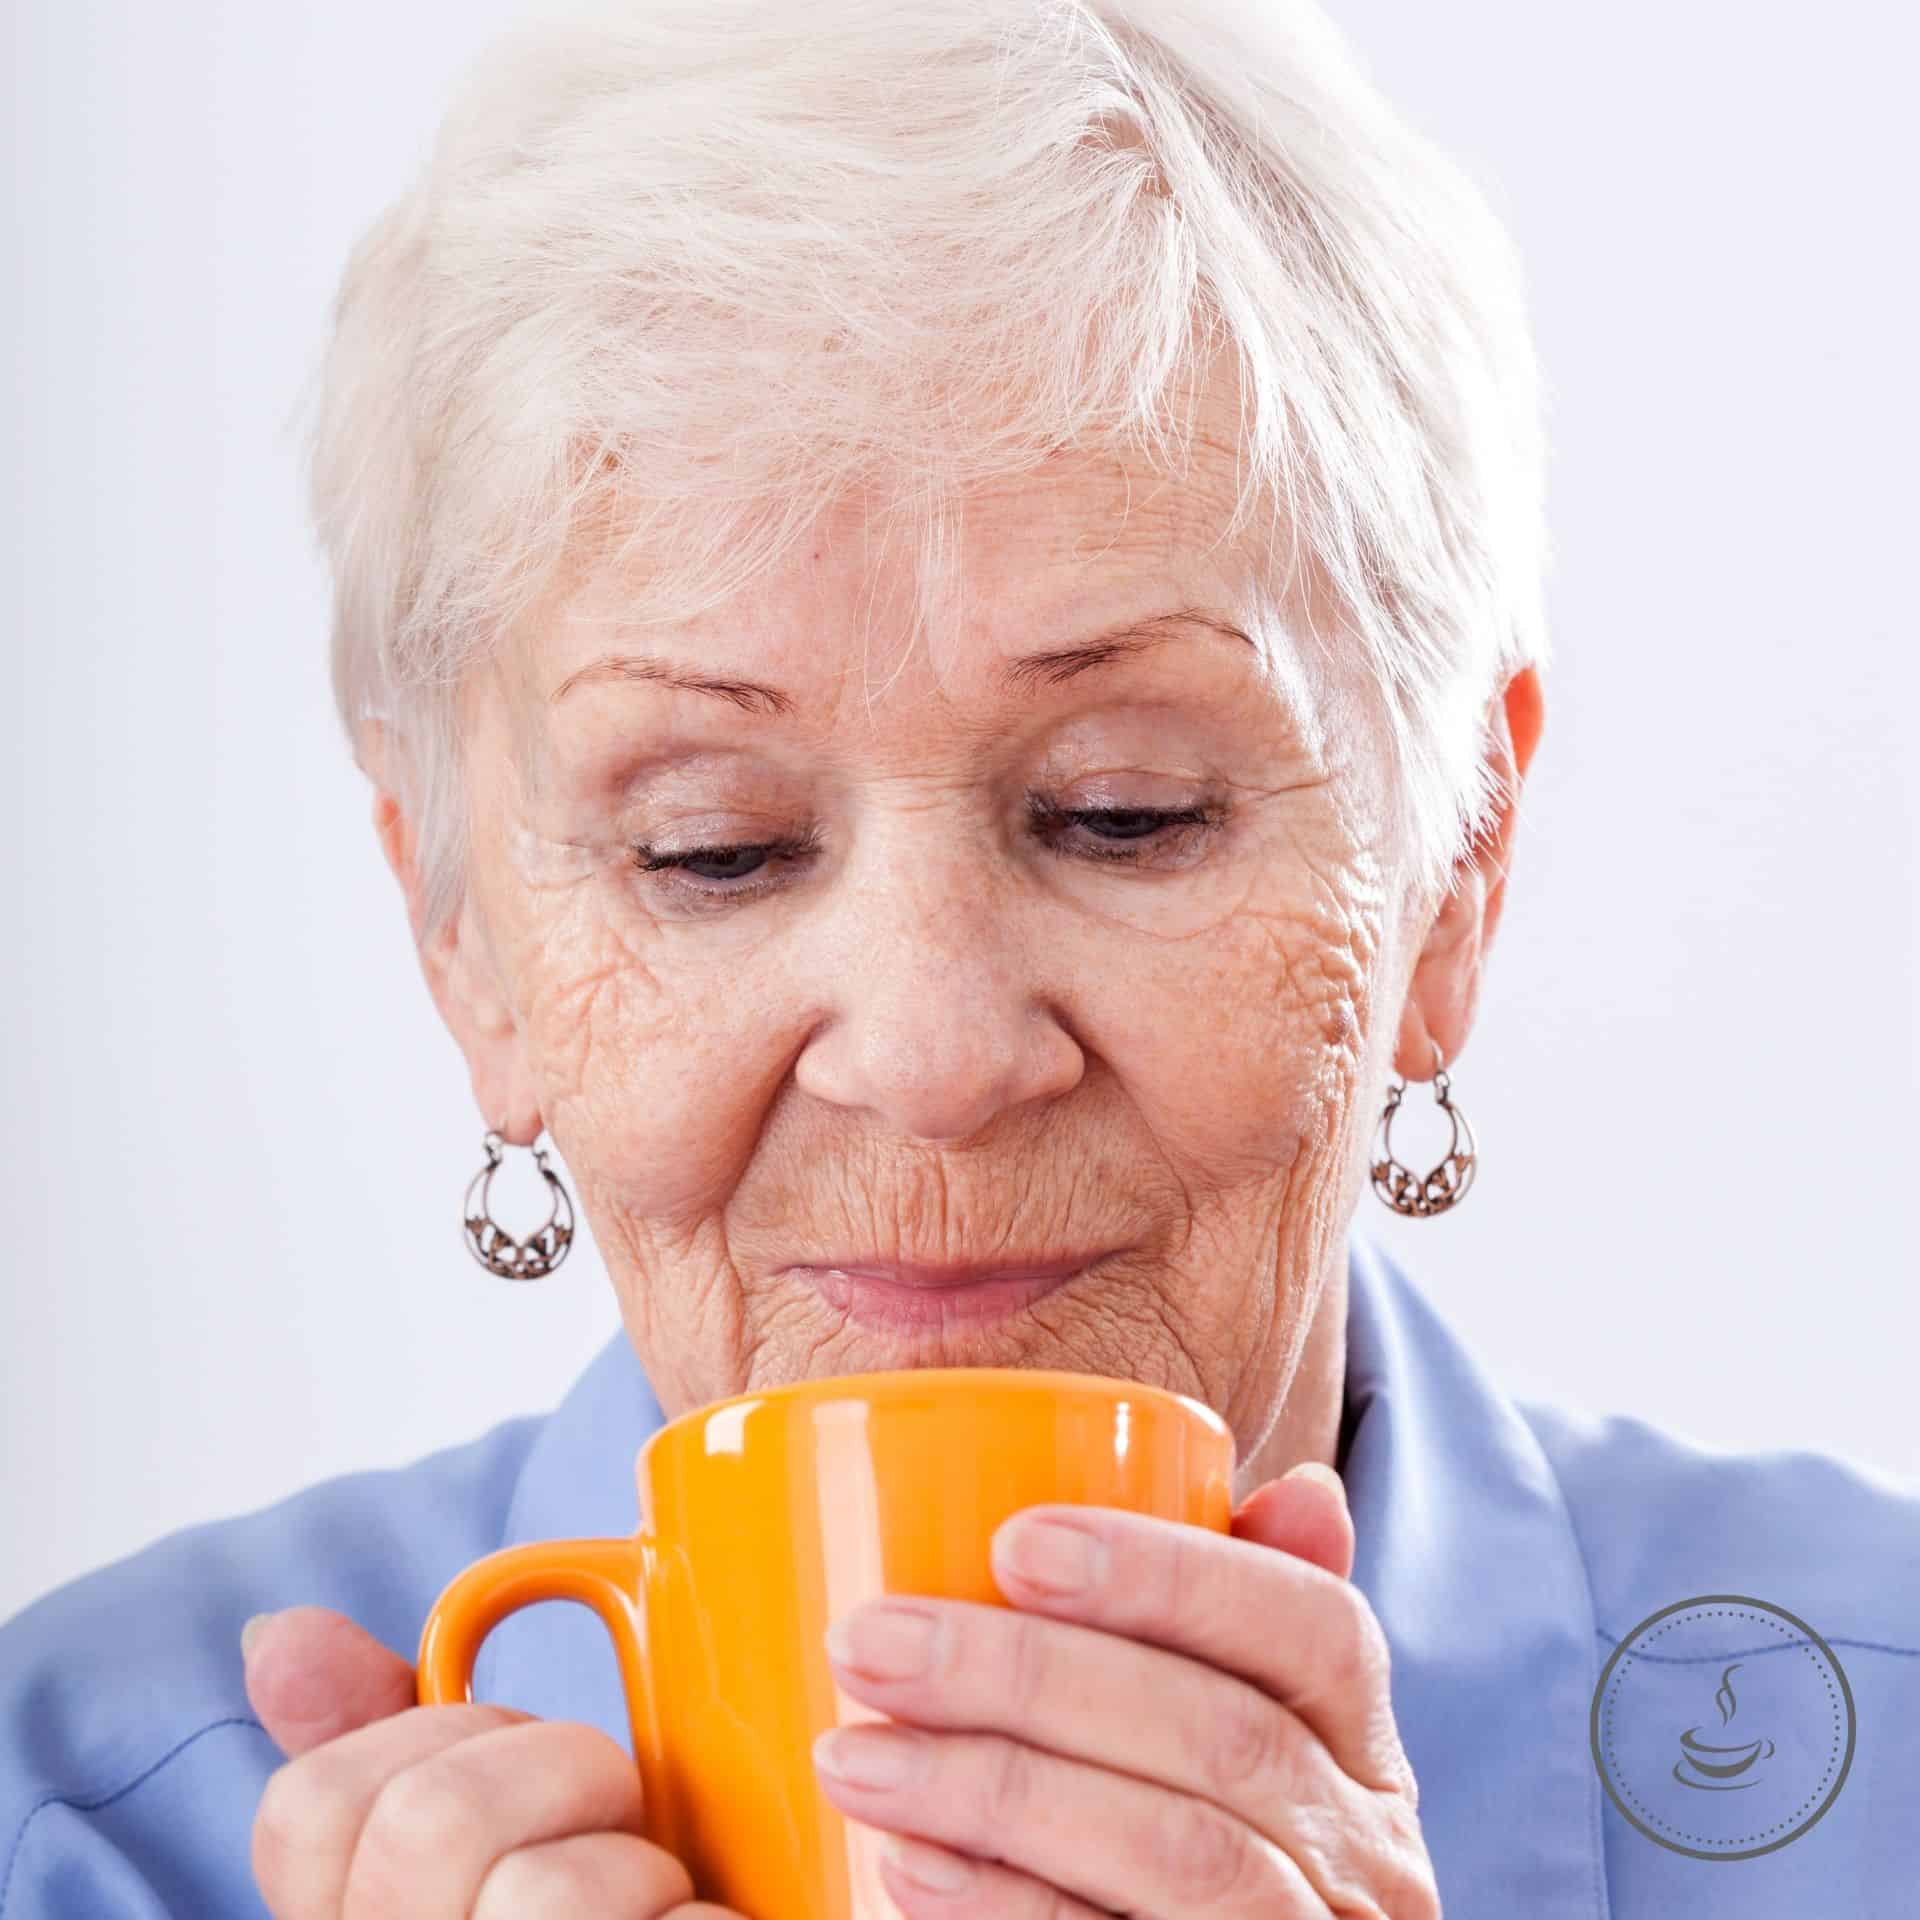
236	1134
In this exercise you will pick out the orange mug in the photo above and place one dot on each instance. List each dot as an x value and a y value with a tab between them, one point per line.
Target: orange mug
764	1518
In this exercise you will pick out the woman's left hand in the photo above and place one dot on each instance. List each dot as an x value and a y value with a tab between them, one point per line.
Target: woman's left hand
1201	1727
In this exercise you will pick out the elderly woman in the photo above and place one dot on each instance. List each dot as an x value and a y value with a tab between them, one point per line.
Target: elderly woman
942	599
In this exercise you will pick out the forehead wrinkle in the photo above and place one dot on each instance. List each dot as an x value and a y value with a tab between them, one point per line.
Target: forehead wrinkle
1064	538
1060	542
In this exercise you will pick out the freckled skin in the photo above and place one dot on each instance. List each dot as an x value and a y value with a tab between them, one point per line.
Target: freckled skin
935	1034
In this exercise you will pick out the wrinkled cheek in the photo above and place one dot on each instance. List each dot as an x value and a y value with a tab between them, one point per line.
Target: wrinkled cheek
1336	1026
655	1093
1338	986
1301	1034
609	1056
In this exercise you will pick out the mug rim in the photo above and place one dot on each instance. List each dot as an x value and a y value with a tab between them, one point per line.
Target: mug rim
1107	1385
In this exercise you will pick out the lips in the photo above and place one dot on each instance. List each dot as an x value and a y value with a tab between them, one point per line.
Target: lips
907	1297
909	1273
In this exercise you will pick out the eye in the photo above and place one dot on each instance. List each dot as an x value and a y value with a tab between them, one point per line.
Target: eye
1133	836
1163	837
720	870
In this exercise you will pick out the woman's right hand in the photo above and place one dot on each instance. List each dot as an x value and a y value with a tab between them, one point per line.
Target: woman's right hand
387	1810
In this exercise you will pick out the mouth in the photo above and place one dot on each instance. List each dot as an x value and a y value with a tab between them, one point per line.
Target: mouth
893	1297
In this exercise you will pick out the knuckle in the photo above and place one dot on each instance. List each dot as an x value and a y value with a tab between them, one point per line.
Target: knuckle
424	1816
276	1818
1243	1743
428	1798
304	1806
581	1874
1373	1635
1360	1655
1412	1897
1185	1597
1027	1657
1411	1892
1183	1591
1199	1852
277	1833
537	1880
590	1874
1009	1785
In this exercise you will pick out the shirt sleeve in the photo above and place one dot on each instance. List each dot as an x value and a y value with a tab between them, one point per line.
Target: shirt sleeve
131	1763
172	1841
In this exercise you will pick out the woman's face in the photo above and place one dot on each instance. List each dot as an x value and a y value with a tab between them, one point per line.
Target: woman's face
943	1020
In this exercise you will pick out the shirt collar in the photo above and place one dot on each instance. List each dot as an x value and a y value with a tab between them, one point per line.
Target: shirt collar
1464	1549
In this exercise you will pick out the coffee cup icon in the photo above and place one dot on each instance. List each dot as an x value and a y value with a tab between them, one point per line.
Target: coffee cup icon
1722	1766
1745	1795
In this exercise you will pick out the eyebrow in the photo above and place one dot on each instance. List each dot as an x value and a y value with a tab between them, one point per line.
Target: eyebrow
1051	668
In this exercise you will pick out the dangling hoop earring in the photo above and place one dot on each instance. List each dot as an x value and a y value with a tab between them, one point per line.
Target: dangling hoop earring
1446	1186
497	1250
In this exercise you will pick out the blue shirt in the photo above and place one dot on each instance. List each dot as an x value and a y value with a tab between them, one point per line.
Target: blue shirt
1507	1548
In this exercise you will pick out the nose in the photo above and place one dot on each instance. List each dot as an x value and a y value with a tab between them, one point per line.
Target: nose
939	1023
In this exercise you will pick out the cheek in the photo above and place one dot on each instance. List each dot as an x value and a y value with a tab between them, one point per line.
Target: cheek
649	1077
1327	946
1262	1044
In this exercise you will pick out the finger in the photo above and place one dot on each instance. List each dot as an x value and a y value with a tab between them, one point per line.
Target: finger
930	1880
1304	1513
312	1810
313	1674
1076	1692
436	1828
1104	1837
1305	1637
611	1876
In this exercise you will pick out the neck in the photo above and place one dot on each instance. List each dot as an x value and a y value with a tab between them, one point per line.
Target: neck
1307	1426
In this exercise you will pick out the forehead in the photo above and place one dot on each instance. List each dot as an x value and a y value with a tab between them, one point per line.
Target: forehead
1080	541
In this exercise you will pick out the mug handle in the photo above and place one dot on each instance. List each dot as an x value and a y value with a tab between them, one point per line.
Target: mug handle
601	1574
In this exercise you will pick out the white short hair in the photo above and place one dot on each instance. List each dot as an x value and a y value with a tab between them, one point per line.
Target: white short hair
693	269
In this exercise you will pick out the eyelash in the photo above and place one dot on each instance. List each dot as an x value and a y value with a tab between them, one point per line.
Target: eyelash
1188	827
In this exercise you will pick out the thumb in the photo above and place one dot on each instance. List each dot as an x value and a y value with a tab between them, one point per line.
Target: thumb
1304	1512
312	1675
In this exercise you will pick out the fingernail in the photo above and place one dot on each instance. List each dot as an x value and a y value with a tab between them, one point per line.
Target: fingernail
929	1867
868	1756
884	1641
1054	1555
251	1632
1320	1471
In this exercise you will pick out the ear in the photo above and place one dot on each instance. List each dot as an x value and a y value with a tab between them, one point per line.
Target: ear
1445	989
464	983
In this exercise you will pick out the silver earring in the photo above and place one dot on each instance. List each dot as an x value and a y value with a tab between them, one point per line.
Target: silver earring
497	1250
1446	1186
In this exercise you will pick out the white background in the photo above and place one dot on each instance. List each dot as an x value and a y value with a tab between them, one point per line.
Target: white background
236	1135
